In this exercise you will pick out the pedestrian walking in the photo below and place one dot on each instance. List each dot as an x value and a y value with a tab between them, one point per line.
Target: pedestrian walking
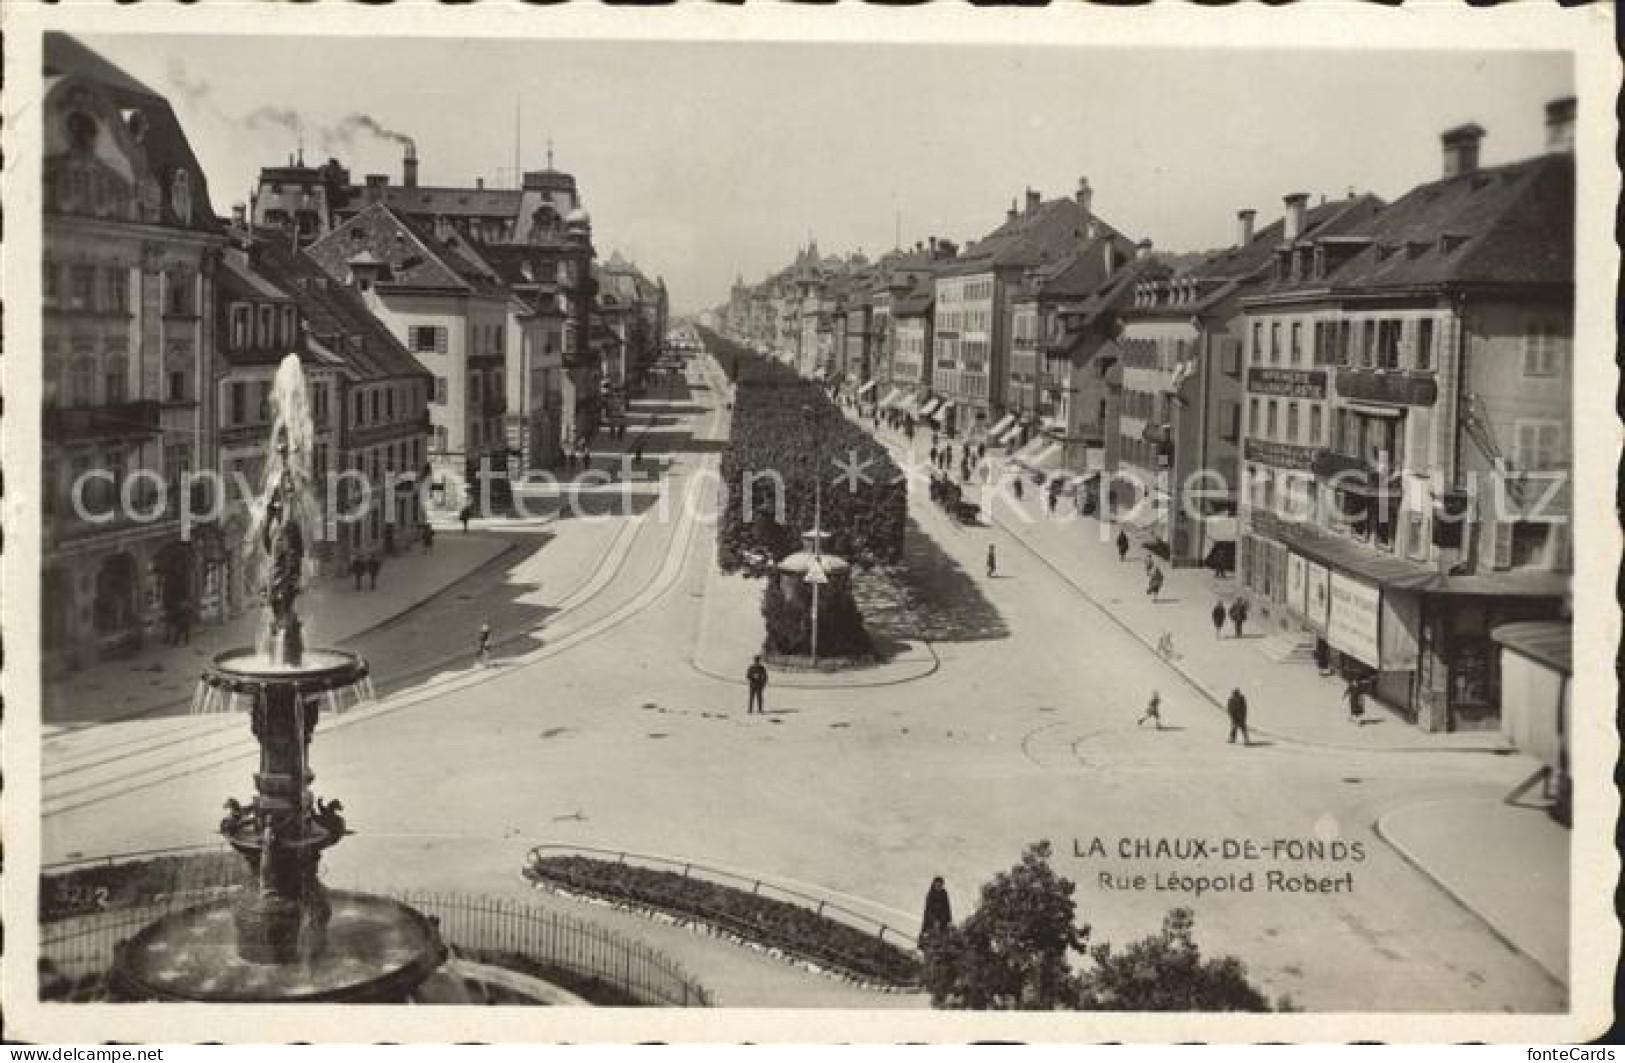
1165	646
184	620
992	561
1154	585
1018	488
939	914
373	565
1354	694
467	512
1054	499
1122	545
1153	711
1150	565
428	538
482	655
1237	707
756	680
1218	619
1238	614
358	568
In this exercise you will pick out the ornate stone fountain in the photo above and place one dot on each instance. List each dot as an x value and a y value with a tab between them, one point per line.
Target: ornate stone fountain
282	936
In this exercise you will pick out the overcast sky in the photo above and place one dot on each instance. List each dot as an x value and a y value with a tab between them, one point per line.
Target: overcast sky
702	161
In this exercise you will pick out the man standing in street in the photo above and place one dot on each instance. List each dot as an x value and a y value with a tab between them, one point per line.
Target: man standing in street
992	561
1122	545
1218	620
1154	584
482	655
756	680
1238	716
373	565
1238	614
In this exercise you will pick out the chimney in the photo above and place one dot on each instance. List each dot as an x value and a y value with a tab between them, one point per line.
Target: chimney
1560	124
1142	250
1461	149
479	184
1032	202
1296	204
933	245
1086	198
1012	214
1244	226
239	215
409	167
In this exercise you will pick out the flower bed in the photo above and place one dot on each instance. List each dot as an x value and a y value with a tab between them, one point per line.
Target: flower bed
764	921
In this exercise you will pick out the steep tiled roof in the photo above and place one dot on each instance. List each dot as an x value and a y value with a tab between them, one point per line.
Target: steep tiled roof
416	259
1045	234
163	145
451	202
1511	224
332	311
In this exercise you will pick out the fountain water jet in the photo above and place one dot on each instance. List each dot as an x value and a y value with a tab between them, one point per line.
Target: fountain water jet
283	936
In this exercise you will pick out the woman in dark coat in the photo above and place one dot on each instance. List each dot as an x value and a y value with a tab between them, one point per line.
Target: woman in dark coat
939	914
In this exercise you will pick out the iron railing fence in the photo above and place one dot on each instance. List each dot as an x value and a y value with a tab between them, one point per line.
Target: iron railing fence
77	951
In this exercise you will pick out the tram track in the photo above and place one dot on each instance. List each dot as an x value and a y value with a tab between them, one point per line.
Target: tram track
173	754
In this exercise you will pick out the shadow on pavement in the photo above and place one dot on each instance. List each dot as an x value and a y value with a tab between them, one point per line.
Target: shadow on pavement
929	596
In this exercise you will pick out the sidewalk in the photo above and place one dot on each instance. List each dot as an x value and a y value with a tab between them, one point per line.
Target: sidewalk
1287	700
333	611
1519	885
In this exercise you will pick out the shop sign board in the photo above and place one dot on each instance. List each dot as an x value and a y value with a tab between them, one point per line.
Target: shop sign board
1355	618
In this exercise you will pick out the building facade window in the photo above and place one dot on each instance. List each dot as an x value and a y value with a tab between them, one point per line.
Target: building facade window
1541	350
1292	422
239	327
1314	426
1275	342
82	287
116	289
1272	422
1424	345
1538	446
1297	342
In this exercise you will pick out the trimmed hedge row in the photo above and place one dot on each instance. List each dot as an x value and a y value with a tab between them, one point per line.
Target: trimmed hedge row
787	430
765	921
841	632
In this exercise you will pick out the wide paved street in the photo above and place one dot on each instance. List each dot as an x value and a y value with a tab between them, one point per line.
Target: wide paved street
594	727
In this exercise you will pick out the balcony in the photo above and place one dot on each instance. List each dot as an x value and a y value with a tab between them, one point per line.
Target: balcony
1387	387
119	420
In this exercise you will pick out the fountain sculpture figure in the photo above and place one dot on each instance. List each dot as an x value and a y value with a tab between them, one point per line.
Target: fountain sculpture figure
283	936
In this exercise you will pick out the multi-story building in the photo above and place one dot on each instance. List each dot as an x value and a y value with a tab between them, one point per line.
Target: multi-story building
1051	386
439	298
543	216
130	252
974	296
1174	459
368	400
1407	463
913	316
258	322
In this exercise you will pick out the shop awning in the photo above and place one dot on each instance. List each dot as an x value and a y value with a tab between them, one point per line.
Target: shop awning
1404	575
910	404
1220	529
867	387
1551	642
942	411
930	407
1009	432
1032	447
1042	461
893	397
1055	425
1001	425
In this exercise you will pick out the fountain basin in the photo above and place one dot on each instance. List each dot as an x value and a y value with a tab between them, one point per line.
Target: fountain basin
248	671
377	951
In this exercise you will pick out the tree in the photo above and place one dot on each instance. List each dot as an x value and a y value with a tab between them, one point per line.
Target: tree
1012	952
1166	972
